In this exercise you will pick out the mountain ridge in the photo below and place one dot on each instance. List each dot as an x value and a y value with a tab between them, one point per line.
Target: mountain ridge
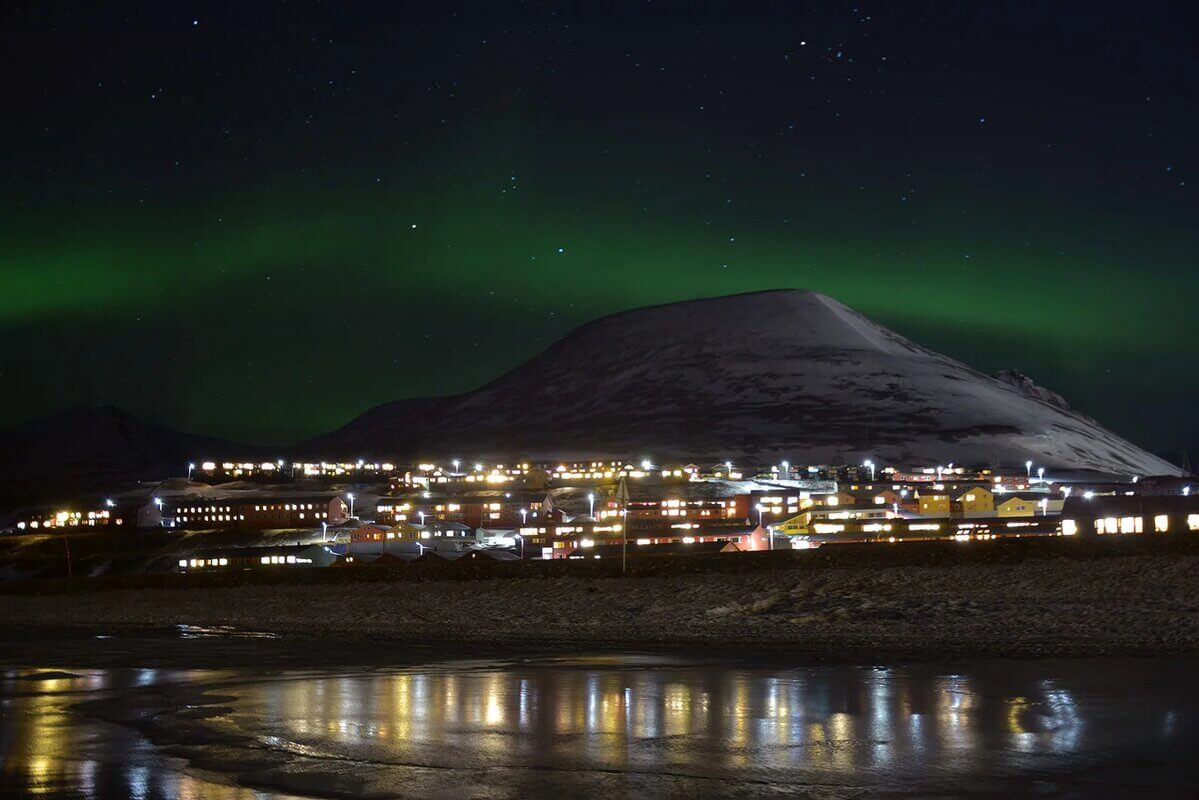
902	401
756	377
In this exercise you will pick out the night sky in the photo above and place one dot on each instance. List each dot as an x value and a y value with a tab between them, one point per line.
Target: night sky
258	219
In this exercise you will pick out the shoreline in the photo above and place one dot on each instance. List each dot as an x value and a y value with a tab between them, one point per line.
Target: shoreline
1141	601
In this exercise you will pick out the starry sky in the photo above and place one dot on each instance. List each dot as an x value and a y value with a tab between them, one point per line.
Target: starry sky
257	220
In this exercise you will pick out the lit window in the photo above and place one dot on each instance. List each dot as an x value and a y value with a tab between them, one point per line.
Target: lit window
1161	523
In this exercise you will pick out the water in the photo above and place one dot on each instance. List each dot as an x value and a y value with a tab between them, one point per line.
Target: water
606	726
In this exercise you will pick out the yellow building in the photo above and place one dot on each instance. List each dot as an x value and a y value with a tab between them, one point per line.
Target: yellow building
934	505
1017	507
977	502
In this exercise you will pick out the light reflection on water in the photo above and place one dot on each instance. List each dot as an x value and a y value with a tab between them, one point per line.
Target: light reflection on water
903	728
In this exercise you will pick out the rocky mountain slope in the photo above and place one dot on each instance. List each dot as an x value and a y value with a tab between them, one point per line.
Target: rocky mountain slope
764	376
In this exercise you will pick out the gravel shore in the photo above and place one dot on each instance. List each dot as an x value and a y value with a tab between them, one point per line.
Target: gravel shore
1138	604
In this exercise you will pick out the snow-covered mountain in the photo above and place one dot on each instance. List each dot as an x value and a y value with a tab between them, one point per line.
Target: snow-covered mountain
760	377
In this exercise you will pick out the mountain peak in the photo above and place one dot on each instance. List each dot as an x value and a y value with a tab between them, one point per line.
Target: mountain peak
760	376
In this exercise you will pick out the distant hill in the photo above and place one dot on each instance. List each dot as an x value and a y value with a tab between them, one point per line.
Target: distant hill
91	449
760	377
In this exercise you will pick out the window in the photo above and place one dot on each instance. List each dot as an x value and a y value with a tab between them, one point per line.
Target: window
1161	523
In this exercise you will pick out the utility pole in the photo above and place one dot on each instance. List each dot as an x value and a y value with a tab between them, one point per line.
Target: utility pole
622	497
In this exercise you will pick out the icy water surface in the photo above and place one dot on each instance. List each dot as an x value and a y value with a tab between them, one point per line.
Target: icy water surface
606	726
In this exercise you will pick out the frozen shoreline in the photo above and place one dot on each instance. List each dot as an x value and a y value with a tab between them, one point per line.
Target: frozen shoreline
1143	604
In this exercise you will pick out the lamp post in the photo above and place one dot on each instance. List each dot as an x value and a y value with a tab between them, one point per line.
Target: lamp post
786	469
591	505
324	531
351	496
870	464
761	510
1041	475
191	466
1028	469
421	514
524	516
455	463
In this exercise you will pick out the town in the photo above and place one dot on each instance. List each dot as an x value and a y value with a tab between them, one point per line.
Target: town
279	514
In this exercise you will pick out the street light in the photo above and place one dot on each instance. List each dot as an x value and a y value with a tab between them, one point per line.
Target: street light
591	505
786	469
351	496
870	464
324	531
190	467
478	467
761	510
112	504
524	516
1028	469
421	514
455	463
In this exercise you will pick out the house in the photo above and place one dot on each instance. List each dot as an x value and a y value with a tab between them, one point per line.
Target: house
933	504
255	511
235	559
1024	506
977	502
616	551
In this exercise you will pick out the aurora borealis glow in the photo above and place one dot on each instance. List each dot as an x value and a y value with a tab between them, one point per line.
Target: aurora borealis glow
263	223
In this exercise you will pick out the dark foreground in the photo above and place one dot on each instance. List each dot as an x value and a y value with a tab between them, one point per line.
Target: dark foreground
1119	596
614	725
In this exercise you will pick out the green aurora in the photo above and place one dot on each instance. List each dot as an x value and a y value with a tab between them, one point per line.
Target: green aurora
274	298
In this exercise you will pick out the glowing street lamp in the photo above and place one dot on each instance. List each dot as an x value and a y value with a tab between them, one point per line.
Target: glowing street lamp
590	504
786	469
421	514
191	466
478	467
524	516
870	464
1028	469
351	496
455	463
761	510
112	504
324	531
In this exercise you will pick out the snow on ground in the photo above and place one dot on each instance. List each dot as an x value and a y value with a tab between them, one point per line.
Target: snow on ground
1139	603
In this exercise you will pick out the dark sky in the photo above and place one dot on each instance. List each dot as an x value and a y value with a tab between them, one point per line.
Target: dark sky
259	219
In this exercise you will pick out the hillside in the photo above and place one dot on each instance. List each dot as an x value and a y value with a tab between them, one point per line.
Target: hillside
89	449
764	376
